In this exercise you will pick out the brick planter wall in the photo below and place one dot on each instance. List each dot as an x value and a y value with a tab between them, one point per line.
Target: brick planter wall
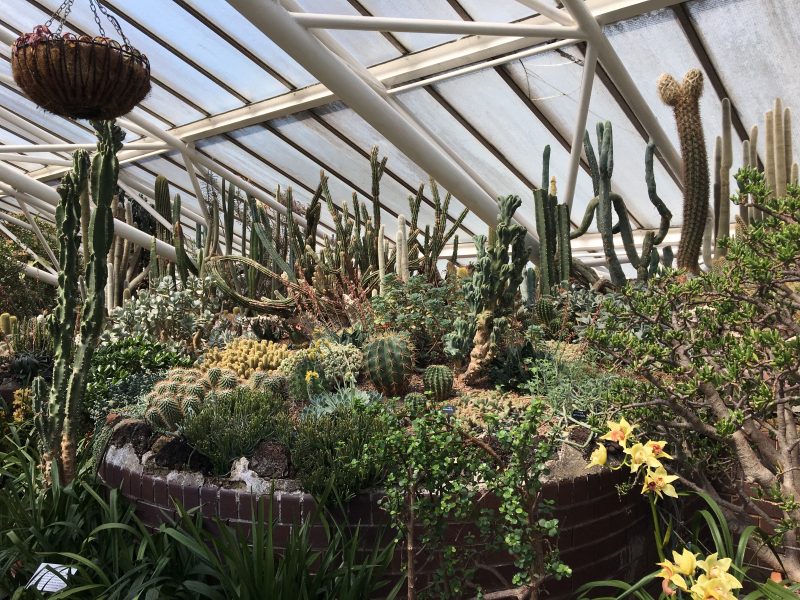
601	536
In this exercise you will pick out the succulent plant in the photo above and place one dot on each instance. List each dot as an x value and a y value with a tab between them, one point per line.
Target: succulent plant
389	360
438	381
7	323
184	391
246	356
269	383
415	402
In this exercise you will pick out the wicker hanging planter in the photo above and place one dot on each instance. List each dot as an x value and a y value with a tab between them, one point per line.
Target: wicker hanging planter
80	77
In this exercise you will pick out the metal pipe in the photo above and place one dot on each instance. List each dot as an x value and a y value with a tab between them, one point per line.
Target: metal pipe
483	65
42	276
32	187
361	23
587	79
623	80
15	221
21	244
36	230
299	43
35	160
71	147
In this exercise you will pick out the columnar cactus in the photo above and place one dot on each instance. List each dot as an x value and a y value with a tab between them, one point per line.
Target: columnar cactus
389	361
553	228
684	98
493	287
438	381
58	417
5	323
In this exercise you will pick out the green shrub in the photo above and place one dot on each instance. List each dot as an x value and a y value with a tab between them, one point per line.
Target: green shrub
426	311
231	425
116	361
330	449
21	295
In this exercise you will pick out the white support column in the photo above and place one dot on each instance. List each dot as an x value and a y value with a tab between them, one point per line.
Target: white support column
299	43
15	221
622	79
34	160
30	186
589	64
362	23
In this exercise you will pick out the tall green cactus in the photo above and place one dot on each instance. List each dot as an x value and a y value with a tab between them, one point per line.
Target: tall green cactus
493	287
553	229
684	98
58	416
184	263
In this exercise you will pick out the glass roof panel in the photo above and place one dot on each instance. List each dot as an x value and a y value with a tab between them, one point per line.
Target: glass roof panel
734	35
496	111
204	47
62	128
363	134
367	47
228	19
640	43
499	10
350	165
430	9
553	80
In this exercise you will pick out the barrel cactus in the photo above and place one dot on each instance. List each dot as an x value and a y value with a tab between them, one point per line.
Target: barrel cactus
276	385
184	391
438	381
389	361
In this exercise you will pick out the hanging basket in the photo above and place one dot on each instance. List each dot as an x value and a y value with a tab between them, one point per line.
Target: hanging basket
80	77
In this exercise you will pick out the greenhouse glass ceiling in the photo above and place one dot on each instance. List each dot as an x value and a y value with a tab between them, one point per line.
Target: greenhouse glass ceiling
469	92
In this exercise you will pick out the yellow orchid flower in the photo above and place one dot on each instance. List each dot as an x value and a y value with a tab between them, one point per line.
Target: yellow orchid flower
598	457
717	568
658	449
669	571
685	562
642	455
659	482
619	432
711	588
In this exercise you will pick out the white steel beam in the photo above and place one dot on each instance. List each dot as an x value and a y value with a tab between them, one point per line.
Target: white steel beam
43	276
549	11
362	23
72	147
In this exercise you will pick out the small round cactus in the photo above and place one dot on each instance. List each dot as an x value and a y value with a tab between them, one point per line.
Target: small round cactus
438	381
415	402
246	356
389	361
5	323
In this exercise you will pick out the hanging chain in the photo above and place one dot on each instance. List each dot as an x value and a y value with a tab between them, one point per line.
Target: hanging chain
61	13
111	19
66	6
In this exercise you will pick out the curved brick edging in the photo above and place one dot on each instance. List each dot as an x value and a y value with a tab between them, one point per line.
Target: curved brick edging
601	536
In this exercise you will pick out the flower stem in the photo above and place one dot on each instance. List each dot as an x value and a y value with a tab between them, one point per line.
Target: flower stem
656	527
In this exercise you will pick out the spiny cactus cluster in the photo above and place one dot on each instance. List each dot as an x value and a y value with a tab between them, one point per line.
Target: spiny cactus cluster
389	361
245	356
438	381
275	385
184	391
